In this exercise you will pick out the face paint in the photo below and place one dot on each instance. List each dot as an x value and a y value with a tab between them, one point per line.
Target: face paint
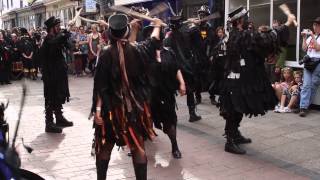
204	34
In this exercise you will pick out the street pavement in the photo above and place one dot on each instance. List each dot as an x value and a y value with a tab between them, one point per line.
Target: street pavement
284	146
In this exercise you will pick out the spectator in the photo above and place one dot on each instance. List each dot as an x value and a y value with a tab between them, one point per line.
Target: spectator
94	41
311	77
286	81
82	39
5	63
291	96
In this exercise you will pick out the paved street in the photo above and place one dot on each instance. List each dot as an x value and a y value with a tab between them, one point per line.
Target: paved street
284	146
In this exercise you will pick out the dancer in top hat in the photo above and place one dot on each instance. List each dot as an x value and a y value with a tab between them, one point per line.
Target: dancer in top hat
165	79
246	89
121	94
54	75
202	36
178	39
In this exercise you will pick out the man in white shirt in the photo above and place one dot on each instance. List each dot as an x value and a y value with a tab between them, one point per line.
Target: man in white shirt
311	79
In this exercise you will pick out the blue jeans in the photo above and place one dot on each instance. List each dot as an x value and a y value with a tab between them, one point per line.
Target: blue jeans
311	82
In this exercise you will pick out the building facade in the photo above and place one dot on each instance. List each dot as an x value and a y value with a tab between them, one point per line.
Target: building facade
32	16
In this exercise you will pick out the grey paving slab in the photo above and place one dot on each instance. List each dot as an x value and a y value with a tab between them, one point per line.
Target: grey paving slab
284	146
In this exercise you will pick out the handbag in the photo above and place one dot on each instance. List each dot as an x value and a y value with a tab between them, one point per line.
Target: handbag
311	64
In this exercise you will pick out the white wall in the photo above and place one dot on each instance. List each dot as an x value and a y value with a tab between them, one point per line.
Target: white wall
13	4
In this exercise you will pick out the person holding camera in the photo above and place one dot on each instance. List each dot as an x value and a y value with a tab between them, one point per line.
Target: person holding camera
311	74
54	74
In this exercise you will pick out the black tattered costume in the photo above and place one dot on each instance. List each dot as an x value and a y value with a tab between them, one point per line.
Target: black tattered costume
179	40
122	85
55	77
201	38
5	63
245	88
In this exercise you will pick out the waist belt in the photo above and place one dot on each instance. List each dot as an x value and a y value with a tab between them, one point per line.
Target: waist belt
233	75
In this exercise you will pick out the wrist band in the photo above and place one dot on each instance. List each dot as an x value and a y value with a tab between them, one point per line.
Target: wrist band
98	108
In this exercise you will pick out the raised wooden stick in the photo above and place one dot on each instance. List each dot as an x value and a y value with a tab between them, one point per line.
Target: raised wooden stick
285	9
133	13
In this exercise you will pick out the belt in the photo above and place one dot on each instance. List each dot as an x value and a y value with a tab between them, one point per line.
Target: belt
233	75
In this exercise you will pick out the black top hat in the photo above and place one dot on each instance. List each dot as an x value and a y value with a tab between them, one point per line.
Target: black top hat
204	9
317	20
51	22
237	13
118	25
23	31
175	19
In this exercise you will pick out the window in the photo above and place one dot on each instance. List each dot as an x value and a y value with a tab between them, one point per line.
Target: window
264	11
21	3
259	11
11	3
278	15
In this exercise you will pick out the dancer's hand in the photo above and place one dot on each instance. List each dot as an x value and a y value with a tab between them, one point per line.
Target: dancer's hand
182	89
98	119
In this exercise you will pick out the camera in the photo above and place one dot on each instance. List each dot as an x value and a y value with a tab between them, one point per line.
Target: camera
304	60
306	32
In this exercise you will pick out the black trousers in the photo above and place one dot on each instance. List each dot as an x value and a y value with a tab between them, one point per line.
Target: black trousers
190	98
233	120
5	71
50	108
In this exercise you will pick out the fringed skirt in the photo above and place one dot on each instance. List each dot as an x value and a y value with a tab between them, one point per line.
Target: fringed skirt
251	95
124	129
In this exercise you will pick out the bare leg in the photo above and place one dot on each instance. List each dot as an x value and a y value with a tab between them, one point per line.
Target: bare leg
283	100
293	102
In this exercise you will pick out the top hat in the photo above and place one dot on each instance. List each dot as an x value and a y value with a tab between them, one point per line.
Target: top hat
51	22
204	9
118	25
237	13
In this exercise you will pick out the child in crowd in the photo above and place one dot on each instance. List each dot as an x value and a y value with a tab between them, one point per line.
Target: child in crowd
291	96
284	84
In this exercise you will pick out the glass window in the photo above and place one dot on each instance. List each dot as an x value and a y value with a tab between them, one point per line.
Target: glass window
236	3
260	11
278	15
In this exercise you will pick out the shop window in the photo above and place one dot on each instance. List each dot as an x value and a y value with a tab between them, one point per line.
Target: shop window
237	3
259	10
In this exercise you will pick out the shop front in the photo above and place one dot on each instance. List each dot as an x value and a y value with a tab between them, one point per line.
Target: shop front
63	9
263	12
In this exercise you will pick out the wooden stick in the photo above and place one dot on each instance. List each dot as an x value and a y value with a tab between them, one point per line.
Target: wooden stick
133	13
285	9
161	7
73	21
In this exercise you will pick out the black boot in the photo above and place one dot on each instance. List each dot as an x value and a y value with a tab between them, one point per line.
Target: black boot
61	121
140	170
213	100
102	167
193	116
239	139
175	149
50	126
231	146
